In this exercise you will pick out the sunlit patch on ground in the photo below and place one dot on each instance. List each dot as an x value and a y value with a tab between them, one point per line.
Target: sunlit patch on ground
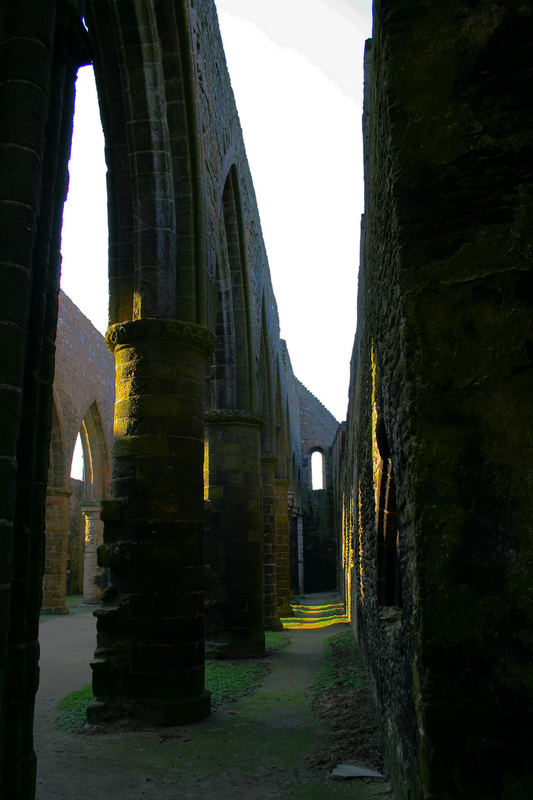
316	616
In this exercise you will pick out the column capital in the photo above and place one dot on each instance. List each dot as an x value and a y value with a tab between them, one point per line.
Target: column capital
138	331
233	416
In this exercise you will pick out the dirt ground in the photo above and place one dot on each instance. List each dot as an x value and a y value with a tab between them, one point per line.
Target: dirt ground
268	745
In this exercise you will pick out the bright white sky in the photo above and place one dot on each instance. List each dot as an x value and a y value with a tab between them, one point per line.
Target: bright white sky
296	71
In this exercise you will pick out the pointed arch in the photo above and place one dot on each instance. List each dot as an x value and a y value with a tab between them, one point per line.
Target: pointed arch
96	456
144	71
265	387
57	469
231	384
282	443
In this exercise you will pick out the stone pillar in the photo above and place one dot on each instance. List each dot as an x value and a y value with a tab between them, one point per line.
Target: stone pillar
55	562
149	661
236	620
268	466
300	534
95	578
283	568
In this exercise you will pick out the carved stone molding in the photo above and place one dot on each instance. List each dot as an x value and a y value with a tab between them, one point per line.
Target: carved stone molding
231	416
164	330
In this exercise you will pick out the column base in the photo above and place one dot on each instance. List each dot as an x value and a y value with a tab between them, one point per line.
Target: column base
147	712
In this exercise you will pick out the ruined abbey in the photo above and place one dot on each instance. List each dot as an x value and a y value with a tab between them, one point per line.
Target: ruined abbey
198	499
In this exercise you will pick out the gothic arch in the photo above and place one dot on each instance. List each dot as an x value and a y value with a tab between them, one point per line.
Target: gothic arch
144	73
265	387
230	383
96	455
58	475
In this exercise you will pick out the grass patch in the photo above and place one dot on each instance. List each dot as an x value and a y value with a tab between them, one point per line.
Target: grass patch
227	681
72	709
276	641
340	665
341	697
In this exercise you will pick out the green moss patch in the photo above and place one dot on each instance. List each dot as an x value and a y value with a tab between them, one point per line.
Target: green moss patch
72	709
340	666
227	681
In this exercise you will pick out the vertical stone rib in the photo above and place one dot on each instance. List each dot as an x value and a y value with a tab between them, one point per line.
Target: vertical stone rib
268	466
283	571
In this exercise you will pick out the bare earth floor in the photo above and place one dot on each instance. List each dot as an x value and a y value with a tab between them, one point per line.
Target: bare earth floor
253	749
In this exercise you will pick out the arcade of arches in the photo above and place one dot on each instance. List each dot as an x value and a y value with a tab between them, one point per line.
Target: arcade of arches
200	489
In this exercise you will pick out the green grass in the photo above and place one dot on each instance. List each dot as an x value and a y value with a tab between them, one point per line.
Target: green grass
276	641
227	681
340	665
72	709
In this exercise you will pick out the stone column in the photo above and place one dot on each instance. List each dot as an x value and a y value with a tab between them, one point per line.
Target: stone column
55	562
95	578
268	466
236	619
283	568
300	534
149	661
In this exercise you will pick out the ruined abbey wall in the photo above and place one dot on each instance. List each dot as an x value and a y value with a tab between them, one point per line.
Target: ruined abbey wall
434	486
83	400
205	462
432	471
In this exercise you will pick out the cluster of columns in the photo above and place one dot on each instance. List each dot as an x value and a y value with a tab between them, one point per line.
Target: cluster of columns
152	625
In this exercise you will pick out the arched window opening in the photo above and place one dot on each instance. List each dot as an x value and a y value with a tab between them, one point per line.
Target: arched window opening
389	586
206	469
86	200
317	470
77	469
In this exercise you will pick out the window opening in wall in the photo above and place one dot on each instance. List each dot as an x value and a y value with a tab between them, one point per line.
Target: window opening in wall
84	270
388	536
77	469
317	470
206	470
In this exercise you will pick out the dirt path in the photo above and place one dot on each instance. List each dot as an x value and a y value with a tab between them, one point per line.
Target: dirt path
254	749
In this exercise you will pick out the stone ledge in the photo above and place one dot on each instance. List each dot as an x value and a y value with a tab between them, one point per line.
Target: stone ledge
233	417
162	330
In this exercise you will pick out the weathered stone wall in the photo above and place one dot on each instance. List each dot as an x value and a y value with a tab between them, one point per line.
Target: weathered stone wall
435	486
83	399
75	549
36	100
84	375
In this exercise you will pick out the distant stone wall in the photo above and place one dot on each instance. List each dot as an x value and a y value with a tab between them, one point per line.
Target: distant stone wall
317	431
83	401
84	374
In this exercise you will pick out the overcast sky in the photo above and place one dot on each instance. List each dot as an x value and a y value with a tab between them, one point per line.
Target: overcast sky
296	71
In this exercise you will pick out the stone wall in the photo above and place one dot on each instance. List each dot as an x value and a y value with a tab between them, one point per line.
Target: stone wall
433	486
320	552
83	400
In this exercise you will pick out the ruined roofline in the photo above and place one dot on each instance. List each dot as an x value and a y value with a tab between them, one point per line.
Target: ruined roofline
302	386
